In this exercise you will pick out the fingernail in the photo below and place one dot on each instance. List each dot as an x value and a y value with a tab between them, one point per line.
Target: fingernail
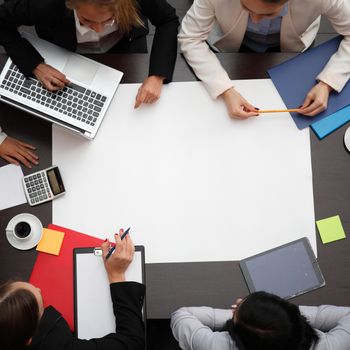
257	108
121	230
106	240
300	106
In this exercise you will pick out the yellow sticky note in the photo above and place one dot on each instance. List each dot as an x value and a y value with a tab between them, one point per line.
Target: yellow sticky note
51	241
330	229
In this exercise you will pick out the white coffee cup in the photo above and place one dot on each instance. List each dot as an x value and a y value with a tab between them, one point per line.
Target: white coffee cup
24	231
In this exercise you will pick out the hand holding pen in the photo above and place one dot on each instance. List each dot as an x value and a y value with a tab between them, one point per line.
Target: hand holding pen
123	234
118	262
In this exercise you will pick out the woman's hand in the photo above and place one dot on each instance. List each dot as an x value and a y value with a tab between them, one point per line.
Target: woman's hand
149	91
235	306
50	77
316	100
118	262
237	106
15	151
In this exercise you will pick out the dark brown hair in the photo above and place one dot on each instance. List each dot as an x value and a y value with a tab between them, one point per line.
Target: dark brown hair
19	316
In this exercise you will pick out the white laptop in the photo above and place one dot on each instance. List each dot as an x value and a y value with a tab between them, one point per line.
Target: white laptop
80	106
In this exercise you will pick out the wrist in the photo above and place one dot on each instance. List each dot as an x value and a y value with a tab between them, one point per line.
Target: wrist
38	67
116	277
323	84
227	93
158	78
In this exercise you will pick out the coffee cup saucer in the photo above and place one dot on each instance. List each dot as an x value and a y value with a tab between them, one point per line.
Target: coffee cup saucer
347	139
35	235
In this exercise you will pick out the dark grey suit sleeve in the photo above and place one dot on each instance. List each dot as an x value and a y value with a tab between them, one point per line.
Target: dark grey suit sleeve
164	47
14	13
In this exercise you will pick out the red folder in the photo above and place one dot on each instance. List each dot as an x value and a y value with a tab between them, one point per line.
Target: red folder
54	274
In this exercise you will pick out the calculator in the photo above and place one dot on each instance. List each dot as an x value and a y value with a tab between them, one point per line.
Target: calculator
43	186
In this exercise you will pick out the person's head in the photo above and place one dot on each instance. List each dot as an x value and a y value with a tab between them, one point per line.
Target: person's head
96	14
21	307
267	322
260	9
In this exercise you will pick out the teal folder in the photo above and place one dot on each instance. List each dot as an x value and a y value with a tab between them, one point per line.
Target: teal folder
331	123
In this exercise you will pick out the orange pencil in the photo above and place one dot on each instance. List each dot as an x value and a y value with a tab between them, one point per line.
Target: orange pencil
278	110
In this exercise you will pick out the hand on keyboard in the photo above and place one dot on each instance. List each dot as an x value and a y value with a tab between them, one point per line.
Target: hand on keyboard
72	101
50	77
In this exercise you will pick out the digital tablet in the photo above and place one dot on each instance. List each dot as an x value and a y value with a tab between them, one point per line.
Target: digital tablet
287	271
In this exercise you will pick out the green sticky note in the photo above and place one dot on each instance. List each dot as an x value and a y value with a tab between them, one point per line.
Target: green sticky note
330	229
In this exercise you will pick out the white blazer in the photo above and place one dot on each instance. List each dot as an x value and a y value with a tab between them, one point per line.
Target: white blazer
298	30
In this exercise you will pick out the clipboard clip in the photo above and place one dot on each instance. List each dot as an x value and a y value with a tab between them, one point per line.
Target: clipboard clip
98	251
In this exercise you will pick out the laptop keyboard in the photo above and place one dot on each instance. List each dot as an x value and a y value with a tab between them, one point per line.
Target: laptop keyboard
73	101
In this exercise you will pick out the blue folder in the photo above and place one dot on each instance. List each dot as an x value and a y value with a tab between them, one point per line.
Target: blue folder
294	79
324	127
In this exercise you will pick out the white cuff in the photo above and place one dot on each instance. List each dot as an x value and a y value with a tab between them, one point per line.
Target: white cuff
2	136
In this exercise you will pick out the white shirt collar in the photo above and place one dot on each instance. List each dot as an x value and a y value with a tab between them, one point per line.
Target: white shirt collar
80	28
84	30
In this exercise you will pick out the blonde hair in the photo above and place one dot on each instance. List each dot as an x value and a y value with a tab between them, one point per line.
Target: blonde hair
125	11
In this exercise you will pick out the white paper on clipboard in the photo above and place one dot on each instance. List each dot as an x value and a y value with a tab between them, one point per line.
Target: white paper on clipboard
93	307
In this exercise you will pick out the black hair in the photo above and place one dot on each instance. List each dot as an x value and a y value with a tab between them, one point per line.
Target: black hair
19	316
264	321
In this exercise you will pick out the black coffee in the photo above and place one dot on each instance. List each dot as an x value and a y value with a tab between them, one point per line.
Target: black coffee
22	229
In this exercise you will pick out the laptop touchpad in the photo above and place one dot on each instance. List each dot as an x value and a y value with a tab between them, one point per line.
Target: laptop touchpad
79	69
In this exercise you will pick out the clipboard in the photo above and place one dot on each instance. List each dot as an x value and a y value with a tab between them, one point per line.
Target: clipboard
93	308
287	271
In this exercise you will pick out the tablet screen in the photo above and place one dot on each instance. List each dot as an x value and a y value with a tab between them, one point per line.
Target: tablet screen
287	271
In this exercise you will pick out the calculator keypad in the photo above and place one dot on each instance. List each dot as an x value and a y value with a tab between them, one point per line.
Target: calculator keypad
38	188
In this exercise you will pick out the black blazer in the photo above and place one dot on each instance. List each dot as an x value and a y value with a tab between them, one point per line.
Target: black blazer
55	23
53	332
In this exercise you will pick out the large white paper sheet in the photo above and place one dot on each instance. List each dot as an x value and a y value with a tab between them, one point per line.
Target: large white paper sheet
193	184
11	189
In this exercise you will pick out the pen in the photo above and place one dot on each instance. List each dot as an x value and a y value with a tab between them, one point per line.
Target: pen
113	248
278	110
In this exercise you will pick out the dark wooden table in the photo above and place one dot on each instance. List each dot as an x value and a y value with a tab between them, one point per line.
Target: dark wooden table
216	284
